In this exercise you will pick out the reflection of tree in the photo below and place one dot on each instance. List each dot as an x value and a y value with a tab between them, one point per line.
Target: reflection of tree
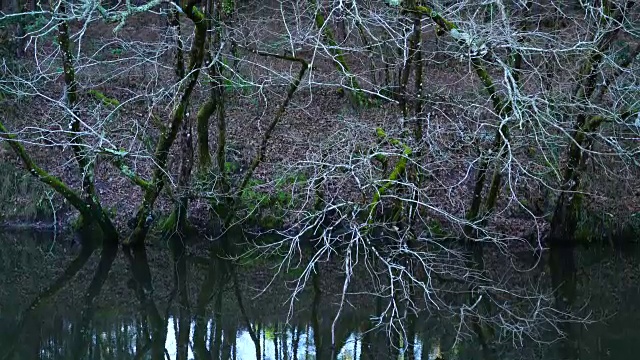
411	336
563	279
180	277
60	283
146	336
204	297
366	347
319	338
83	335
141	284
66	338
295	340
229	333
216	279
425	347
238	292
221	272
217	322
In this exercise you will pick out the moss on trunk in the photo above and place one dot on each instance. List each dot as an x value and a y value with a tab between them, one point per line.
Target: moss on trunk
167	138
414	54
259	157
566	213
356	95
202	128
395	174
85	164
88	210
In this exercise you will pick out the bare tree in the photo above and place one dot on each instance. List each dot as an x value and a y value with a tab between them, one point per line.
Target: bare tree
466	138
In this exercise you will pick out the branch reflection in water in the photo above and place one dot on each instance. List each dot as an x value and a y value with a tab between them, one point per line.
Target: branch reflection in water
212	306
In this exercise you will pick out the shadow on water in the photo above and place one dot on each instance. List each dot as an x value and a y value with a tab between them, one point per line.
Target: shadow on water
563	278
75	342
153	306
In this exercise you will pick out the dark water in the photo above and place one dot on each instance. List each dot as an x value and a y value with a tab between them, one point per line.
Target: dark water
63	301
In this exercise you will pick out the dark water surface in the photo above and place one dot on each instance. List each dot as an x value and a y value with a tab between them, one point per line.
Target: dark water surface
59	301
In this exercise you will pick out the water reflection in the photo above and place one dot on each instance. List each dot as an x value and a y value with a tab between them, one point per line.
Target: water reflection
175	330
113	303
77	332
279	342
563	278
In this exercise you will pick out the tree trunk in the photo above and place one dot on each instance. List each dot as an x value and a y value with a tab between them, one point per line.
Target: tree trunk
144	217
356	95
569	203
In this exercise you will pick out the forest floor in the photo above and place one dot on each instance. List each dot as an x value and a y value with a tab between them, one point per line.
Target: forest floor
319	120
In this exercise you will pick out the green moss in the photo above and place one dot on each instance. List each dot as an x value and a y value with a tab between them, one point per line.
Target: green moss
356	94
388	184
594	228
22	197
231	167
270	222
266	204
294	273
169	224
105	100
436	229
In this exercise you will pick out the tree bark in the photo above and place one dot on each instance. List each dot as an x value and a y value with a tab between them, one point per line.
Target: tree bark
144	216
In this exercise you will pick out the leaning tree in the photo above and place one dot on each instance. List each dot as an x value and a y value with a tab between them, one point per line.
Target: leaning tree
421	144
